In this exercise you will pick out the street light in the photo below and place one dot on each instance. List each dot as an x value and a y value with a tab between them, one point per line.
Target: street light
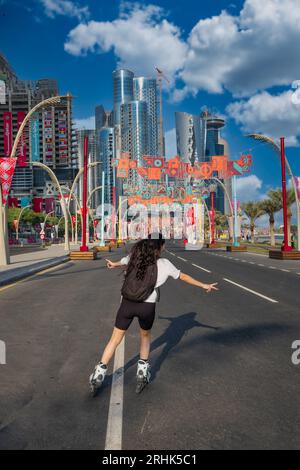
4	250
278	150
19	218
62	200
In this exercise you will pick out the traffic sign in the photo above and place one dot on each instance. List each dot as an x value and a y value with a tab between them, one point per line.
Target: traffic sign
42	236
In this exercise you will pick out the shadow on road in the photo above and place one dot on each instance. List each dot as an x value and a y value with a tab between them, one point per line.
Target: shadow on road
170	338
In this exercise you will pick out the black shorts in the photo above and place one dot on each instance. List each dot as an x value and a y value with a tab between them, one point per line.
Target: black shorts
144	311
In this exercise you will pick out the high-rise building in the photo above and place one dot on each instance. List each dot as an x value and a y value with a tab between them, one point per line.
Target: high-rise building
198	140
103	118
215	146
134	133
107	153
190	137
123	91
145	89
49	138
94	175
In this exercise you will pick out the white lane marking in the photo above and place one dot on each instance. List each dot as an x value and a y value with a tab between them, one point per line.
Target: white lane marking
285	270
182	259
251	262
200	267
272	267
251	291
261	265
173	254
115	415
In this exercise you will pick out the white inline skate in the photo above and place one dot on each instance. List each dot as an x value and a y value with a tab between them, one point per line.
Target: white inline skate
143	375
97	378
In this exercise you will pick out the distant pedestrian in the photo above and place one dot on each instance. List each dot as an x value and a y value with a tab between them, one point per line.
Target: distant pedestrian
145	272
293	240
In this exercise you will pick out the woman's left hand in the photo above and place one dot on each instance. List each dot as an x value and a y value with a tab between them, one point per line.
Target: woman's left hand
210	287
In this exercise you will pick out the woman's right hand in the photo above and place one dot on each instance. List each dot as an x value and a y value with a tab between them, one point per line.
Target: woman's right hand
110	264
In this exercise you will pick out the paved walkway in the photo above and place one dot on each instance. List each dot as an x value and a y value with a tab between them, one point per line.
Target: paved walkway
31	260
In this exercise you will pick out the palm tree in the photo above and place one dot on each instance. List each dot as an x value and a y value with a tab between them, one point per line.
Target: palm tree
276	196
253	211
221	222
271	206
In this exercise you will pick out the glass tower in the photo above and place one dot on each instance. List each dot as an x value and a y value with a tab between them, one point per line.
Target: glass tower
145	89
190	137
106	147
123	91
134	125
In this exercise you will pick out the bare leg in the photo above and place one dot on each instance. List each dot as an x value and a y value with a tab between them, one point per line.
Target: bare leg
145	344
112	345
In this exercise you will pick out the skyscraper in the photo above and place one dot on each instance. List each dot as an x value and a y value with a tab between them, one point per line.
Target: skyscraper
49	138
134	134
107	152
145	89
190	137
123	91
215	146
93	173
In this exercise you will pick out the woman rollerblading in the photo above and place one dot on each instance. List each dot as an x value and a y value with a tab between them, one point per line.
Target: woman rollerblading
145	272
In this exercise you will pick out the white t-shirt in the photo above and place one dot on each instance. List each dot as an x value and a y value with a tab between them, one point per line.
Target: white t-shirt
165	269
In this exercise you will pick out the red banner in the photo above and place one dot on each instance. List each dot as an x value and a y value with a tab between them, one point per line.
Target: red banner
7	168
49	204
22	145
7	127
37	204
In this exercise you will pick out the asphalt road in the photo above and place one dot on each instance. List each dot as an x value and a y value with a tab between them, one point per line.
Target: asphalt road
221	363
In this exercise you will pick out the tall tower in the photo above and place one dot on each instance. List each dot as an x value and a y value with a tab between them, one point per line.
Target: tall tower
134	134
145	89
107	151
123	91
190	137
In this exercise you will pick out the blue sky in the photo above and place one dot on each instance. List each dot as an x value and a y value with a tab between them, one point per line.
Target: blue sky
239	58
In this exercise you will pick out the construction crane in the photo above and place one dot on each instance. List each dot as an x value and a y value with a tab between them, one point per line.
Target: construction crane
160	77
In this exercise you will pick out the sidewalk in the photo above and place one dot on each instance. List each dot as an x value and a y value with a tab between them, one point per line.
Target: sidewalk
30	262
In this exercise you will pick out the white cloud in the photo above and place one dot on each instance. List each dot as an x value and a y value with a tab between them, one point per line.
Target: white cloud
252	51
170	143
141	39
244	53
249	188
65	8
272	115
85	123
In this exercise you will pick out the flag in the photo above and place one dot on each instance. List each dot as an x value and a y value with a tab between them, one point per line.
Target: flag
7	169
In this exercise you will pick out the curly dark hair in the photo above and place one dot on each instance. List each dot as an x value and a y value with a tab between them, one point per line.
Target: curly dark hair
143	254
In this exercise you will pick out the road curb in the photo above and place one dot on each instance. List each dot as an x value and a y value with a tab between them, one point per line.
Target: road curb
34	270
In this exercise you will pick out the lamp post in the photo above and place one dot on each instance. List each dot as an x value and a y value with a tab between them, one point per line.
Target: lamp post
278	149
4	256
19	218
84	247
235	218
62	200
102	243
212	210
286	246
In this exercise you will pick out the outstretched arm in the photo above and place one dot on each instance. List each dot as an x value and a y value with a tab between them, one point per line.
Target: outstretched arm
118	264
193	282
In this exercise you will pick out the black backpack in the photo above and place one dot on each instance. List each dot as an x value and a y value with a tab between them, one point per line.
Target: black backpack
137	290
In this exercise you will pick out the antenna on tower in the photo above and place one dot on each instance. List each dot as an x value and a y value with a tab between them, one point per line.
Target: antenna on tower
160	77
